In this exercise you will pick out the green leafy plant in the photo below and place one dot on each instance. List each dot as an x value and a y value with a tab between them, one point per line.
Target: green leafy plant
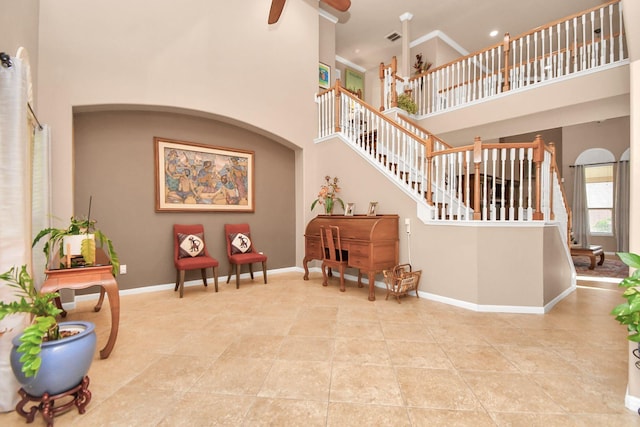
78	226
628	313
328	195
407	103
44	311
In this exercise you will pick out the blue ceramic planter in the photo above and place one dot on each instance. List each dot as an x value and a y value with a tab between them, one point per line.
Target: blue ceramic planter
65	362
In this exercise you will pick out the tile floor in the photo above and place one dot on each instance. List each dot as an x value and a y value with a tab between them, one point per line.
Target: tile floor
294	353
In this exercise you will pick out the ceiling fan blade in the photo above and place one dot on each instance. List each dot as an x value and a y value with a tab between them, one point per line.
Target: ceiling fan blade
276	10
341	5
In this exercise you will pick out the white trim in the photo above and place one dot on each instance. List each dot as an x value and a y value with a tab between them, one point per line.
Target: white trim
442	36
406	17
631	402
326	15
348	63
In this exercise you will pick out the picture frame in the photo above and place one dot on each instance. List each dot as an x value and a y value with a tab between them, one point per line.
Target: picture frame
199	177
350	209
324	76
354	81
373	206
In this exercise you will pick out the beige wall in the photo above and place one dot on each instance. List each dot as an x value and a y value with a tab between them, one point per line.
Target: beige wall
206	57
19	28
114	164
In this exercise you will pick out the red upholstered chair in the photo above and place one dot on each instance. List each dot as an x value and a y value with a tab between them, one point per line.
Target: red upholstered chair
240	250
190	253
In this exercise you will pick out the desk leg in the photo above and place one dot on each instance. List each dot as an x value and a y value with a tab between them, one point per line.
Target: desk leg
372	285
100	300
306	269
601	259
110	286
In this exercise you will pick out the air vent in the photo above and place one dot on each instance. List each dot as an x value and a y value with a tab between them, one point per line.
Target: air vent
393	36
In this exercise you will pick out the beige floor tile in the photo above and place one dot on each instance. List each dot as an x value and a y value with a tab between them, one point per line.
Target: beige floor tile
477	358
296	353
286	412
197	409
351	414
436	389
237	375
504	392
297	380
303	348
361	351
418	354
447	418
369	384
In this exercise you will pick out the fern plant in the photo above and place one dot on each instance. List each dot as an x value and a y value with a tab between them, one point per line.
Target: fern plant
628	313
44	311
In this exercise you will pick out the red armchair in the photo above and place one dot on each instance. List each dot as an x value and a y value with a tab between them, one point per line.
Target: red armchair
190	253
240	250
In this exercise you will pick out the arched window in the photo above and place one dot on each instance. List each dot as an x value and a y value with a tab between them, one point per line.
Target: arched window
598	173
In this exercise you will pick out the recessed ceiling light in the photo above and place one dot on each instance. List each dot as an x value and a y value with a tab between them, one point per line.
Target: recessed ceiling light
357	51
493	33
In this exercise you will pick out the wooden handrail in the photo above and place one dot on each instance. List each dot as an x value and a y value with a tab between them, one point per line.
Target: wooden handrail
421	129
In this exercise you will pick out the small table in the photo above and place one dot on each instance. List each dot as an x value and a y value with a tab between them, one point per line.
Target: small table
591	252
84	277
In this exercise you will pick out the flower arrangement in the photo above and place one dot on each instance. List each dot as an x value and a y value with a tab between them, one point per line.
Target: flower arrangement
328	195
420	66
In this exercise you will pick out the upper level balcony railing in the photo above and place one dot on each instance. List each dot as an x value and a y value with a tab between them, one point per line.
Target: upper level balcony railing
579	43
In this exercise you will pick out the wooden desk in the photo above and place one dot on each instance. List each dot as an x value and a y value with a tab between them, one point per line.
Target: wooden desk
84	277
371	241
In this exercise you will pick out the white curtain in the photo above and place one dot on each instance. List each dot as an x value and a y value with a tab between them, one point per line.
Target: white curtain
15	209
621	206
579	209
41	197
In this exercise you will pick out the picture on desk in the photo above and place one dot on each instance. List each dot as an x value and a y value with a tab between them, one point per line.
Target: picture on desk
372	208
350	209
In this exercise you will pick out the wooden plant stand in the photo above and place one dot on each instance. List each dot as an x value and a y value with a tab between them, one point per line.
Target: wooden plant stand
81	398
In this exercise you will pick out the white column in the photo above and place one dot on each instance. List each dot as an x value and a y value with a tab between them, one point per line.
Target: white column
405	62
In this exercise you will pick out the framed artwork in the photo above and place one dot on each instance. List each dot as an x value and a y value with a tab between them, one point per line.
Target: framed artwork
199	177
354	81
350	209
372	208
324	76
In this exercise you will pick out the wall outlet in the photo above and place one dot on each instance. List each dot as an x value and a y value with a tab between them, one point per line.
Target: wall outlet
123	268
407	224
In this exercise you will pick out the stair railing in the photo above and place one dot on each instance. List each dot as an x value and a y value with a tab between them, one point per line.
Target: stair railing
497	182
578	43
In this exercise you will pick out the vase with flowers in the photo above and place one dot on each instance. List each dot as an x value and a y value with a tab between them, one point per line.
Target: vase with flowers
328	195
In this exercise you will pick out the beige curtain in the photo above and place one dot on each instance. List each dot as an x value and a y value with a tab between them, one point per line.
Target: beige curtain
580	228
15	209
621	206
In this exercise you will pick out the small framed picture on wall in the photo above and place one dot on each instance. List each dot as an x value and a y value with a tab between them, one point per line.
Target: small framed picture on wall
324	76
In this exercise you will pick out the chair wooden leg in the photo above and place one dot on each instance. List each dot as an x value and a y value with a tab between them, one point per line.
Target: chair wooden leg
230	272
237	276
204	276
181	283
177	280
264	271
251	270
342	289
215	277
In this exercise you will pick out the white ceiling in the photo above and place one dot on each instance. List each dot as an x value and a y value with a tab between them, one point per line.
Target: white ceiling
361	31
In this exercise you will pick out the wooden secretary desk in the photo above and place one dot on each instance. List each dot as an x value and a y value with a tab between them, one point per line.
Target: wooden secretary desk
371	241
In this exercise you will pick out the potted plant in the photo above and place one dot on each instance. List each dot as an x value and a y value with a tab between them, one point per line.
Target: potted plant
85	230
407	103
628	313
328	195
48	357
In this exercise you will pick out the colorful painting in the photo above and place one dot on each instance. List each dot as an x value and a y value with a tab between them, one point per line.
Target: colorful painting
324	77
354	81
199	177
